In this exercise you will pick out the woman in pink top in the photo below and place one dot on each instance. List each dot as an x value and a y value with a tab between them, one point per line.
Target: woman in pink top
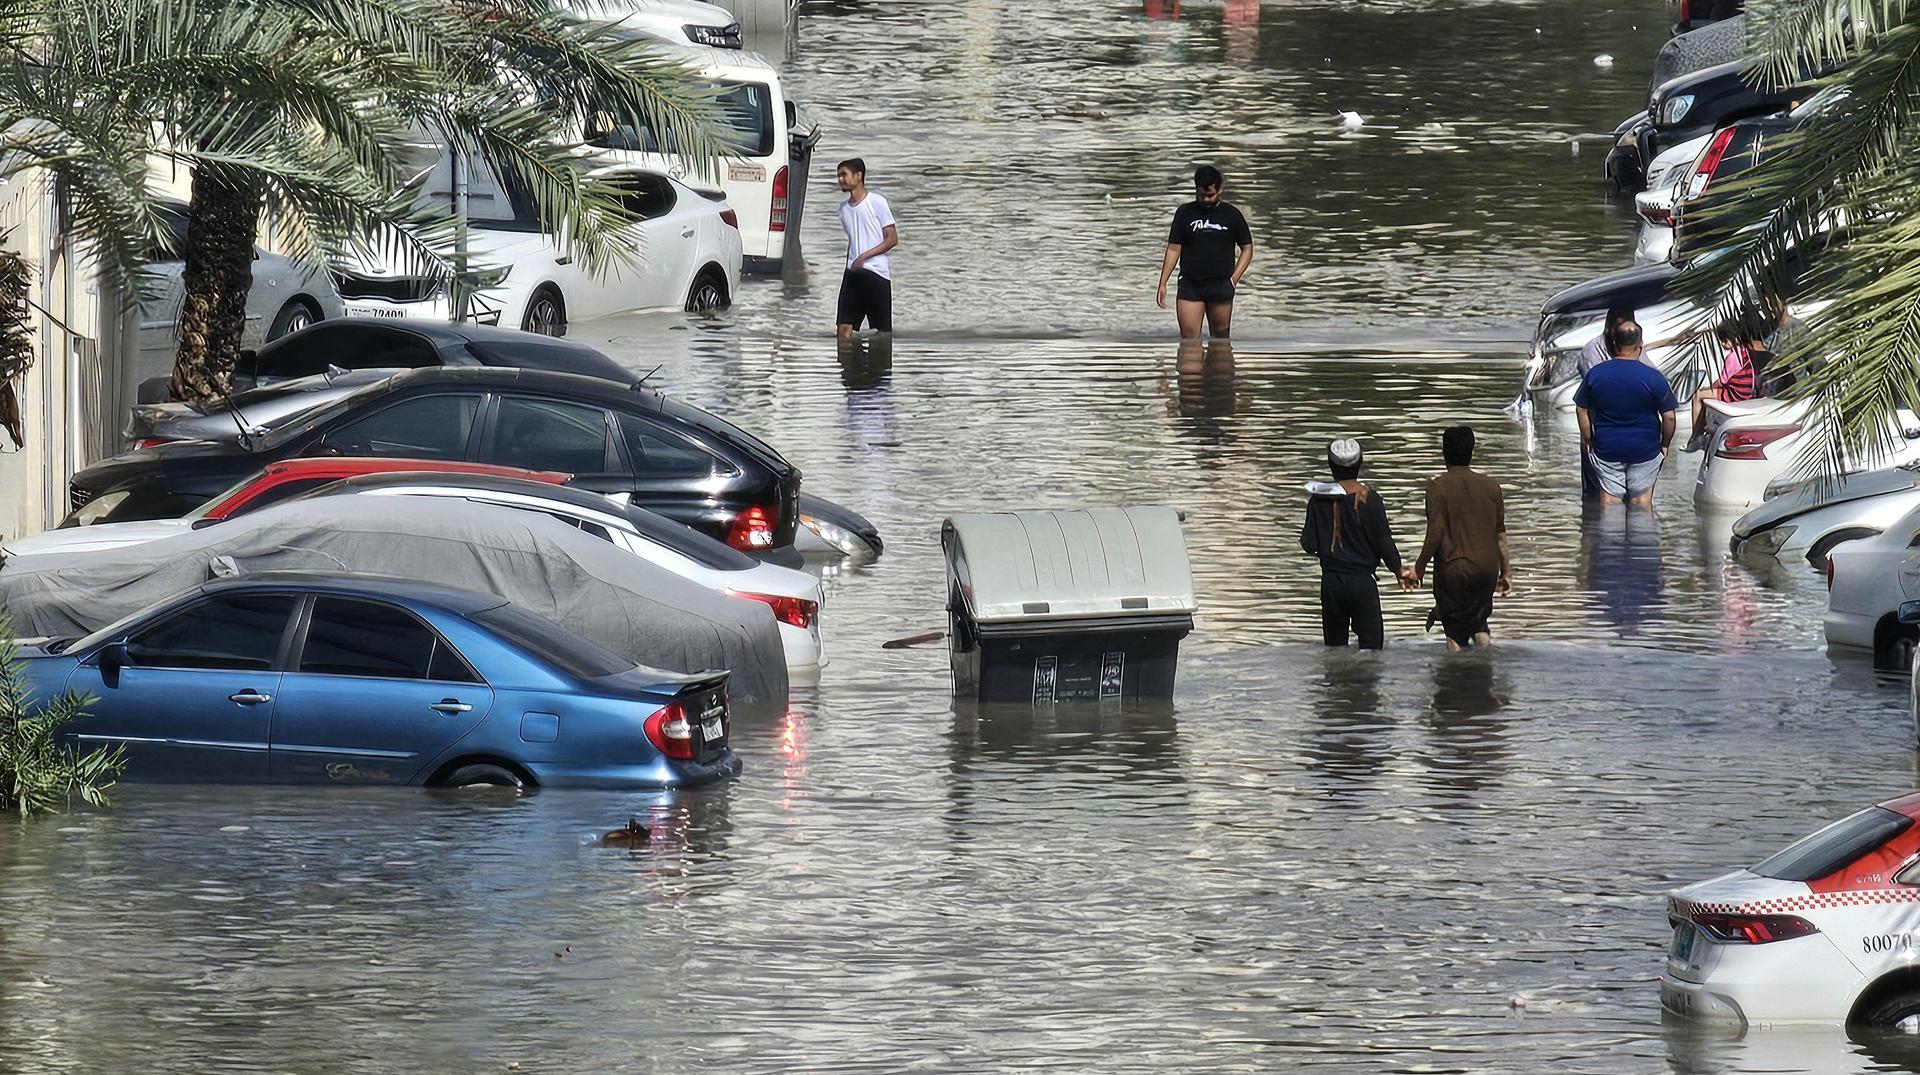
1736	383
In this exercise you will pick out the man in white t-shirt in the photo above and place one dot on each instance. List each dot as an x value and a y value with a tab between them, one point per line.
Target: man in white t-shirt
866	291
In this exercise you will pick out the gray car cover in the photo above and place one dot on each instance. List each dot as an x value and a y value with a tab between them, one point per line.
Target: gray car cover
1709	46
593	588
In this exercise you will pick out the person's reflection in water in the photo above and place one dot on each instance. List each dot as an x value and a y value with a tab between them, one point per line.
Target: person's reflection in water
1240	22
866	362
866	368
1203	381
1349	737
1621	563
1468	749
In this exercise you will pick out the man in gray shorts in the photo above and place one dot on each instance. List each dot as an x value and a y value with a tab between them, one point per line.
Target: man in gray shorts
1626	410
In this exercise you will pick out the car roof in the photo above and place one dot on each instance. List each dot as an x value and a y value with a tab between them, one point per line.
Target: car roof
354	466
542	380
345	584
1643	286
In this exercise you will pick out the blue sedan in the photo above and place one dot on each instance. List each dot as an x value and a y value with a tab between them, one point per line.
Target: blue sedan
356	680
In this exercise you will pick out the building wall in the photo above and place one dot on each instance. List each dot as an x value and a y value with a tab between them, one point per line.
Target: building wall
72	399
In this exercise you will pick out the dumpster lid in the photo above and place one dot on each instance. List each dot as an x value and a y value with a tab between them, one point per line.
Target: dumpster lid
1091	563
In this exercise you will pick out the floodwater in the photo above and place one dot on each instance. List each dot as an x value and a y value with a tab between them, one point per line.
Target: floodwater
1404	861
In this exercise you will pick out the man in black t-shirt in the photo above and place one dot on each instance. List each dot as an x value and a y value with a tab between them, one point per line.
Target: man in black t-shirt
1212	245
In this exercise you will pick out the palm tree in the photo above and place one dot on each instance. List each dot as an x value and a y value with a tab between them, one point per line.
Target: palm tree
307	109
1833	216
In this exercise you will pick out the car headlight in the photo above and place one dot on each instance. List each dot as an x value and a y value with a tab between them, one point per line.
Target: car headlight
1769	542
720	37
486	278
98	508
1675	108
846	541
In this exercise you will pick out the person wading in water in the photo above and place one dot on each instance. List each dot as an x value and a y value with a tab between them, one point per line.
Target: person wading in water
1347	529
1205	235
1467	544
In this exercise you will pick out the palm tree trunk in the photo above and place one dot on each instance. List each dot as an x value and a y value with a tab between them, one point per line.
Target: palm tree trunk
222	216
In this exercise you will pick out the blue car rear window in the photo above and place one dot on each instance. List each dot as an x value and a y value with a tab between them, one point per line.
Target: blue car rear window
1835	846
550	642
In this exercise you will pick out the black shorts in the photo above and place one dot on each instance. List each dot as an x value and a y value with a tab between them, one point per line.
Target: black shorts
866	296
1462	604
1208	291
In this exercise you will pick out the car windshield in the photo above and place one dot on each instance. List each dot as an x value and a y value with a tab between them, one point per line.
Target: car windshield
220	502
746	123
281	431
551	643
1833	847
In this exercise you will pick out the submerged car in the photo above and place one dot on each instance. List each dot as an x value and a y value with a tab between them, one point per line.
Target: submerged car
1868	580
794	596
1666	181
682	252
682	22
1811	519
1823	932
627	441
278	482
1749	445
1573	318
343	679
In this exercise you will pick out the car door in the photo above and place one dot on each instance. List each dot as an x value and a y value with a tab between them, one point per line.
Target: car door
437	426
372	694
664	241
195	697
552	434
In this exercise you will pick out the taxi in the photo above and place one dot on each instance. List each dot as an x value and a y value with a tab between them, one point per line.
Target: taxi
1826	931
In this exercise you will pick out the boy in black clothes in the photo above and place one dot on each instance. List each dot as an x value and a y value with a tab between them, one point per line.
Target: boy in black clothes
1347	529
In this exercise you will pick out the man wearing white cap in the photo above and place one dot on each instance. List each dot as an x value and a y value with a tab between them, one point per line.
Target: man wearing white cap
1347	529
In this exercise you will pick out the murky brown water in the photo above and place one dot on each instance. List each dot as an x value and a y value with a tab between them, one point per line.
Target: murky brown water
1350	861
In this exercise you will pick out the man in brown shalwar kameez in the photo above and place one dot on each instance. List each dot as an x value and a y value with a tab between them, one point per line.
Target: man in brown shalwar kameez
1467	544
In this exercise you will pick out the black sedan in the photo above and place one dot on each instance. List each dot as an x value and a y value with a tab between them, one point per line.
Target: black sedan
354	343
623	440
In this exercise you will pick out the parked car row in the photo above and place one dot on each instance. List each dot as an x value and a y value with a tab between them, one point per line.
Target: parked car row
1821	931
508	484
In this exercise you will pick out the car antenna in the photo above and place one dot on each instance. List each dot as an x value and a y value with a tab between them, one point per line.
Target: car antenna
650	373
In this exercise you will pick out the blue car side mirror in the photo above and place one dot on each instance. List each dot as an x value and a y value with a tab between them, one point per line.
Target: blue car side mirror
1910	612
112	658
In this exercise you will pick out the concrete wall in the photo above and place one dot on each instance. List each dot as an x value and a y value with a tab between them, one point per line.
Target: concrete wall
71	401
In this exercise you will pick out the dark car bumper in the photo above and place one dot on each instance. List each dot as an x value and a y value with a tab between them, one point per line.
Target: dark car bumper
658	773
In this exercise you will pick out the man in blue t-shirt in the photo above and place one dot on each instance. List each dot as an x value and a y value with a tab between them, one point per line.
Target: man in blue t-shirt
1626	421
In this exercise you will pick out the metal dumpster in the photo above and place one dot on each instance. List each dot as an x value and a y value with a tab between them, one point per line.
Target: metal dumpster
1060	605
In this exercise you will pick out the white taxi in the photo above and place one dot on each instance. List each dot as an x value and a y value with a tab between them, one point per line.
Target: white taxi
1826	931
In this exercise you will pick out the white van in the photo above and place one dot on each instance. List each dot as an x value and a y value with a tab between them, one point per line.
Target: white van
765	181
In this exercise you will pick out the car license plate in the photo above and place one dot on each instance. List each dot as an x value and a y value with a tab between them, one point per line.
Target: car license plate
746	173
374	311
1684	937
714	729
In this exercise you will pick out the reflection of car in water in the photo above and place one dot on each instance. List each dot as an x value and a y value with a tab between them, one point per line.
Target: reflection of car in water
1822	932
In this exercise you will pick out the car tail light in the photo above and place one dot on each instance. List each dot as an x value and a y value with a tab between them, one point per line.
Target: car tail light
1710	160
732	219
797	611
150	442
1661	215
777	221
667	729
753	528
1754	928
1752	443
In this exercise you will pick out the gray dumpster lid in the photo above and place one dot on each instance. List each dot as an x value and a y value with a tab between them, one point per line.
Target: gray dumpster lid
1089	564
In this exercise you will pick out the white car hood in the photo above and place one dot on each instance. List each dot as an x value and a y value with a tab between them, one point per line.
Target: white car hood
95	538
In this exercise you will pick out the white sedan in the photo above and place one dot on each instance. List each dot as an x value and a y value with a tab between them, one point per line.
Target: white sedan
1826	931
1867	580
1750	444
1807	518
1654	205
683	253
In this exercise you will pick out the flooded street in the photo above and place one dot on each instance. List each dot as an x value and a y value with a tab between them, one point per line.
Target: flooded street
1401	861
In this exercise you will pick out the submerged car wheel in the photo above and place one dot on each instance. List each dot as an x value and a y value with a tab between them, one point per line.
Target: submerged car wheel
1898	1010
483	774
294	316
709	293
546	314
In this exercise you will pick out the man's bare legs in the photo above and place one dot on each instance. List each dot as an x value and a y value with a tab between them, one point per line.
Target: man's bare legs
1220	319
1190	313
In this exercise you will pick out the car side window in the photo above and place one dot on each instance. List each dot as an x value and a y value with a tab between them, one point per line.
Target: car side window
542	434
347	637
302	356
426	427
348	346
286	490
656	452
647	196
240	631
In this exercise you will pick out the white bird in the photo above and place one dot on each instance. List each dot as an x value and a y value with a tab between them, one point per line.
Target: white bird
1605	59
1351	121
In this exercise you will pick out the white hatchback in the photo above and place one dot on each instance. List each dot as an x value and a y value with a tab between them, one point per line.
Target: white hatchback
1826	931
682	253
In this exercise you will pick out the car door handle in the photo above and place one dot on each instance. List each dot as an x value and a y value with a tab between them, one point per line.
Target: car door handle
688	234
249	697
450	705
